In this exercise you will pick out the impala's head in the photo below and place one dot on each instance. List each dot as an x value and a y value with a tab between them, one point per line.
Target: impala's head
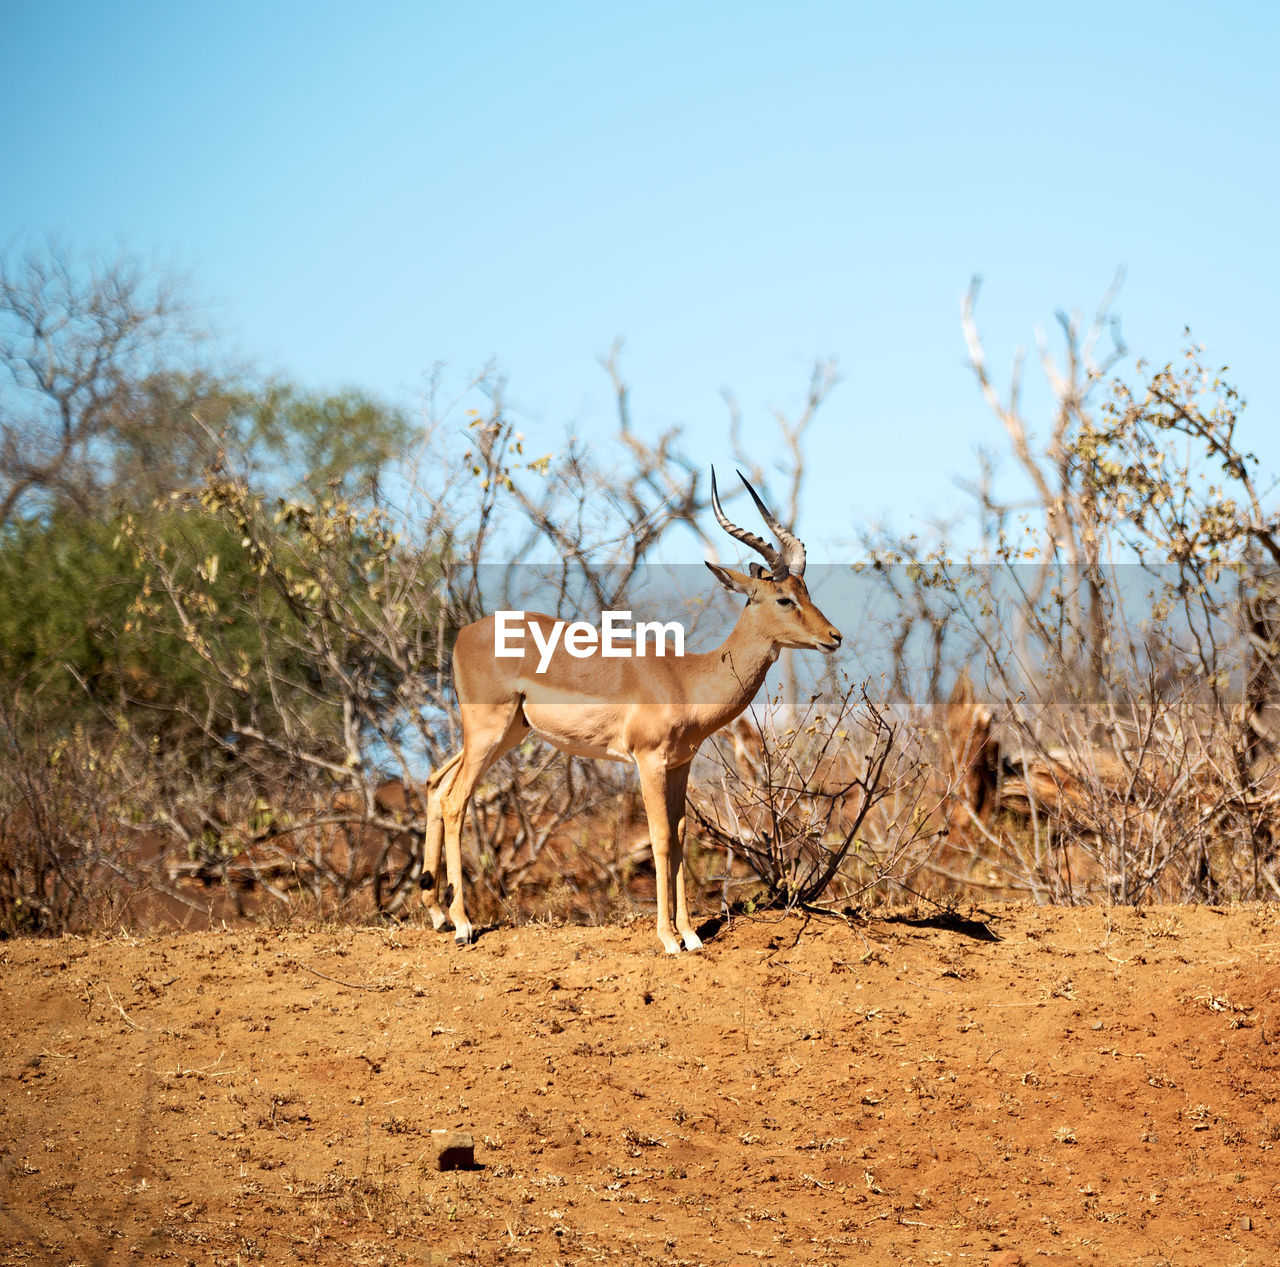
784	612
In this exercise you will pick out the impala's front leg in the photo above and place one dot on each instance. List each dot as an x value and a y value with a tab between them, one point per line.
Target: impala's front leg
664	798
684	925
653	787
677	790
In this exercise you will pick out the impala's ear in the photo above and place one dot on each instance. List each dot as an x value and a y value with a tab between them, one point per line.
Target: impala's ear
757	571
739	582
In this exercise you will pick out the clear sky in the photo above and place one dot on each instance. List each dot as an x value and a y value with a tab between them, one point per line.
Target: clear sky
362	191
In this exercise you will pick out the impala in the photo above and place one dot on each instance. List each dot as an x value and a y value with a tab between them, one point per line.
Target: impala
654	711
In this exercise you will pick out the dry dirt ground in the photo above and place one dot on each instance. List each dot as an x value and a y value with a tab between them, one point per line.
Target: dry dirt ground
1038	1086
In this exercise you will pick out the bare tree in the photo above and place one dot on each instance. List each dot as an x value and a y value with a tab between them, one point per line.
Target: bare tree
89	349
1067	492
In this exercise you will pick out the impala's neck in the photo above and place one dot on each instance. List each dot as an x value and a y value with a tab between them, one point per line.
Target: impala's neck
730	676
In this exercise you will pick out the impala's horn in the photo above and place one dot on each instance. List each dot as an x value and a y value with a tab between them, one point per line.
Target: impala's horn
789	561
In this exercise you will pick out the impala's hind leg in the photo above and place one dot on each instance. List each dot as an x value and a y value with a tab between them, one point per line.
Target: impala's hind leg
433	840
488	733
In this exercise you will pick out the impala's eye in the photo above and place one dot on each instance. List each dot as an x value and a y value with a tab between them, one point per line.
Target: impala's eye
786	602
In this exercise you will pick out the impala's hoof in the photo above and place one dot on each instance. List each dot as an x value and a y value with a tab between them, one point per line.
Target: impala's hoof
692	941
438	919
463	934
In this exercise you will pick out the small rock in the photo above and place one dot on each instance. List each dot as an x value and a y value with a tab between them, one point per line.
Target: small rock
452	1150
1246	1223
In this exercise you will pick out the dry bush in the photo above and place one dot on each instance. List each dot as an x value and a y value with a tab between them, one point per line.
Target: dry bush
57	849
73	854
1158	812
1122	629
1144	791
829	806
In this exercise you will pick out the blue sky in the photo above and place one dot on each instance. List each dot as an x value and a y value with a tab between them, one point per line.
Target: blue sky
363	191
